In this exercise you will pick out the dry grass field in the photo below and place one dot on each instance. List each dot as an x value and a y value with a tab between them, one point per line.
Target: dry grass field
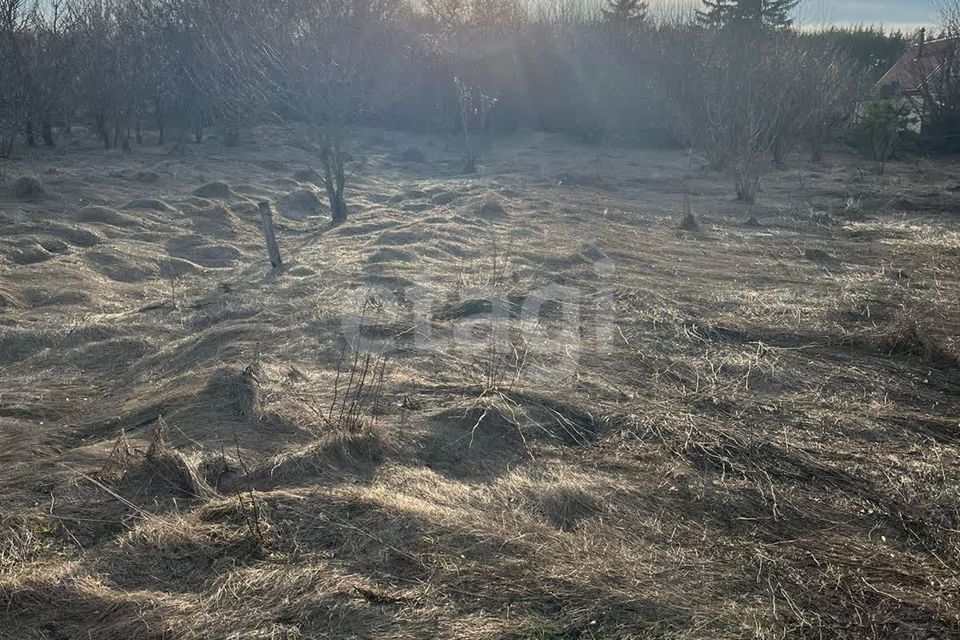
741	431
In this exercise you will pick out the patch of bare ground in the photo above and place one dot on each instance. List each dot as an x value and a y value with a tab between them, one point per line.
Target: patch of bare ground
747	431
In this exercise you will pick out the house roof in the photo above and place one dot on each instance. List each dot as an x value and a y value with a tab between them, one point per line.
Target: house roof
919	63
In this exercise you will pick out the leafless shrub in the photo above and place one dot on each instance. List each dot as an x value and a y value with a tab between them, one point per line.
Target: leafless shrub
12	72
133	60
484	14
98	69
254	519
358	391
743	111
475	106
228	64
829	86
820	89
326	65
465	44
689	222
50	55
741	94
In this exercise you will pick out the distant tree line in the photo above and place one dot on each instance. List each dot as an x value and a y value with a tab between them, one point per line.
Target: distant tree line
732	79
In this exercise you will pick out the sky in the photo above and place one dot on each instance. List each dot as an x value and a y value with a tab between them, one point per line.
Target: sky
894	14
891	13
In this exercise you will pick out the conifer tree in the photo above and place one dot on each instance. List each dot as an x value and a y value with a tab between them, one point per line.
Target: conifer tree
625	11
770	14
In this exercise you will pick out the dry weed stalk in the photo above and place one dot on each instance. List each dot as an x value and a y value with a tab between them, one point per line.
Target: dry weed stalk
254	518
120	457
358	390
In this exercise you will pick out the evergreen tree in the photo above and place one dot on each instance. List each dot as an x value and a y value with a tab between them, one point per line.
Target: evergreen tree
771	14
625	11
871	48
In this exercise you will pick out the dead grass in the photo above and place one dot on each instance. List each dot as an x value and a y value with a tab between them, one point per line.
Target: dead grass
763	445
27	188
910	333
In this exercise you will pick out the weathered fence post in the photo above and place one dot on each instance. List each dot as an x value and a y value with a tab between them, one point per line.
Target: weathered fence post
266	217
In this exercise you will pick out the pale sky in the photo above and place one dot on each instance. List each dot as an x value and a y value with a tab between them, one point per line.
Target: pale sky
891	13
903	14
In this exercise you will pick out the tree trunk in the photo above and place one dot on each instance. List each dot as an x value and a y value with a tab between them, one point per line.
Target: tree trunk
816	150
161	130
231	135
779	150
47	133
334	178
102	129
470	160
471	150
6	145
339	210
338	207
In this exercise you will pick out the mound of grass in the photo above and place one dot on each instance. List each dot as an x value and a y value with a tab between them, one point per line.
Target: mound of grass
219	190
299	205
159	473
413	154
27	188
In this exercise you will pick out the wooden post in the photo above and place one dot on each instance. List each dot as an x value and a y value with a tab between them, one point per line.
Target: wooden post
266	217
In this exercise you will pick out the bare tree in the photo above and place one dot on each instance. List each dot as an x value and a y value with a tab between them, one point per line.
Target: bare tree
229	62
468	40
820	88
831	86
164	49
13	79
742	94
52	65
186	86
327	66
475	106
728	106
99	68
448	13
